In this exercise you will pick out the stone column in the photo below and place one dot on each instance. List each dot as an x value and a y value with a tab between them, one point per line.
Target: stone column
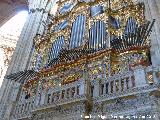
5	95
125	84
130	82
140	76
43	98
65	94
38	11
3	88
96	89
11	99
155	78
114	86
120	85
82	89
104	89
109	87
152	11
51	98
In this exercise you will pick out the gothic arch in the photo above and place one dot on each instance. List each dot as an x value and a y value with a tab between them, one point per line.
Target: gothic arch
9	8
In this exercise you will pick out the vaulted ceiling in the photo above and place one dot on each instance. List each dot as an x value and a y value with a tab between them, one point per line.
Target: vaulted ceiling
8	8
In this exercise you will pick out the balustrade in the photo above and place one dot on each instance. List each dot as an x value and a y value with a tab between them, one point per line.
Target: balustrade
127	83
64	94
115	85
23	109
109	88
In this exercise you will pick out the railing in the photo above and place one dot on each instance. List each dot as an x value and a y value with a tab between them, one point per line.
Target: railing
119	85
129	83
63	95
52	98
113	85
24	108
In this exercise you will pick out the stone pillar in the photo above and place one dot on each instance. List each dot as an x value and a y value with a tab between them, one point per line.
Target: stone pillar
152	11
109	87
11	99
104	89
65	94
140	76
3	88
70	93
51	98
38	12
125	84
43	98
114	86
120	85
81	89
5	97
130	82
96	89
77	91
155	79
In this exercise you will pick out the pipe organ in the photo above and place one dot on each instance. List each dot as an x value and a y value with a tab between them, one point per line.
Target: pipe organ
78	30
38	62
61	25
93	56
66	8
114	22
98	36
130	26
56	48
96	10
90	36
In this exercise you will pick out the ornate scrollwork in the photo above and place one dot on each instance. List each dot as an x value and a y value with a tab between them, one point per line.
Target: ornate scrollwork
90	44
